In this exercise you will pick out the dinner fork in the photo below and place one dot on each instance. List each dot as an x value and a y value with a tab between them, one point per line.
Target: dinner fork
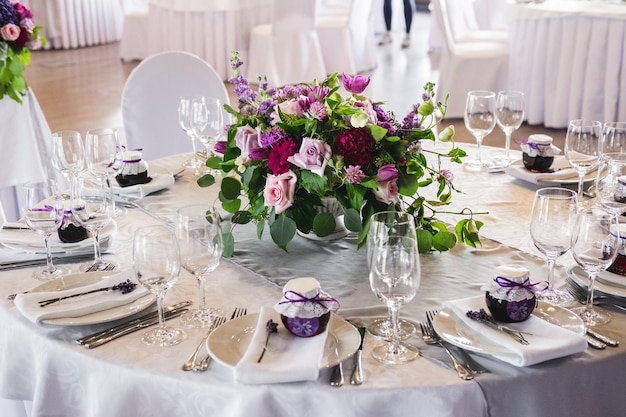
204	362
580	294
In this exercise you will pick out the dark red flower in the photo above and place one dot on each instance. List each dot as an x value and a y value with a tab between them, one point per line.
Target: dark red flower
356	146
277	161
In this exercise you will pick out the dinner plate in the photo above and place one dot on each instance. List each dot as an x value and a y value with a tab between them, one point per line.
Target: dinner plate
56	246
605	281
559	164
228	343
88	278
161	179
459	334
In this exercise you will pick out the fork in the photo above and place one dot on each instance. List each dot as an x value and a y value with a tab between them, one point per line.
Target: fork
98	267
580	294
191	360
204	362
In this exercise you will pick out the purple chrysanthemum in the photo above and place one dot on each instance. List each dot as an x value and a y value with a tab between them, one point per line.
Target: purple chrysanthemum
354	175
446	175
266	108
318	111
269	139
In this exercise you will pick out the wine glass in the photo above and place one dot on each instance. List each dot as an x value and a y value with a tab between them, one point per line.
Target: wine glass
200	238
104	153
68	153
190	110
610	185
44	213
92	207
383	327
582	147
395	278
613	141
509	117
594	246
551	226
214	124
156	261
480	119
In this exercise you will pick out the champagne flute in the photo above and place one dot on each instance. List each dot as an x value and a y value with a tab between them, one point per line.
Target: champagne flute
200	238
480	119
44	214
92	207
594	246
68	153
509	117
551	226
104	153
186	113
156	262
582	147
395	278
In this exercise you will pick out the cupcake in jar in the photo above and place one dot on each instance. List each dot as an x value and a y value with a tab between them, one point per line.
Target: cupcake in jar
510	296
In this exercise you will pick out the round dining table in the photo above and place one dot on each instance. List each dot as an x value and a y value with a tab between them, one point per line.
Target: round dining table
43	372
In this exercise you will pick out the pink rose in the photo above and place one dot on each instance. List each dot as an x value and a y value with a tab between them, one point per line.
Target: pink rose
247	139
10	32
313	155
279	191
387	192
387	172
356	84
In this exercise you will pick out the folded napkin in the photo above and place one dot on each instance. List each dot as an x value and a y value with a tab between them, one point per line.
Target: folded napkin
562	171
546	341
610	278
158	183
287	359
15	233
28	303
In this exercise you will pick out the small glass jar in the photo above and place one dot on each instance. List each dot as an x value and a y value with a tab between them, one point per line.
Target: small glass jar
619	264
510	296
538	153
304	308
133	171
71	230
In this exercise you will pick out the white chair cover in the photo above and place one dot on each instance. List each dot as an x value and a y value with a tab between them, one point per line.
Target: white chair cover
287	51
465	27
150	101
467	66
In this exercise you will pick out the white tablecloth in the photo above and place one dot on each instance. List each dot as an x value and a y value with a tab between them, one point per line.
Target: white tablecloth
569	58
45	366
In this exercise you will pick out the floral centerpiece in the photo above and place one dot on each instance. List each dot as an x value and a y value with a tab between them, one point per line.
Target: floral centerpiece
289	148
18	36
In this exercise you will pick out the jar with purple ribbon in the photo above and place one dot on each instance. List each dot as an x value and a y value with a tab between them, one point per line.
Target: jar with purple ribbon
510	296
538	153
134	170
304	308
71	231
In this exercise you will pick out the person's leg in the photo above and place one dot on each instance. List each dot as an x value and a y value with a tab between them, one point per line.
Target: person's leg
408	20
387	13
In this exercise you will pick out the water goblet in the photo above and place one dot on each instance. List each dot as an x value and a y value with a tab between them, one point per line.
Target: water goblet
200	238
189	111
509	117
156	262
104	153
44	213
551	225
92	207
480	119
582	147
395	278
613	141
68	153
594	246
610	185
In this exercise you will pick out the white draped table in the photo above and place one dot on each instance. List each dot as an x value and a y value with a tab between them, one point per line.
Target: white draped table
569	58
43	369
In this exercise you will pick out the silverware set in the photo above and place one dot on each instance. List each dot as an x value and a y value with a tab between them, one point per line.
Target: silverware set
337	377
606	300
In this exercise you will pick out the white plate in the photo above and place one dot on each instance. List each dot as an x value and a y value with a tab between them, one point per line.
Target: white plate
459	334
228	343
88	278
603	281
161	179
559	163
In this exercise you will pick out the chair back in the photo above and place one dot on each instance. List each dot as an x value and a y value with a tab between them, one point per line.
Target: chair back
289	16
461	17
150	101
440	10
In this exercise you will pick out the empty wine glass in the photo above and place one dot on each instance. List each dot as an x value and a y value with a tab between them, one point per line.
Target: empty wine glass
156	262
43	212
480	119
594	246
200	239
214	125
68	153
582	147
509	117
551	226
92	207
104	153
190	111
395	278
613	141
610	185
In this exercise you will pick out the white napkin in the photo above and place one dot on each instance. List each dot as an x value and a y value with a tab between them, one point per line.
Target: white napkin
28	303
13	233
546	341
610	278
288	359
562	171
158	183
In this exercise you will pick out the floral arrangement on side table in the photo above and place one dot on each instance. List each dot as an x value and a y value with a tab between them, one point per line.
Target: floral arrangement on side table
289	148
18	36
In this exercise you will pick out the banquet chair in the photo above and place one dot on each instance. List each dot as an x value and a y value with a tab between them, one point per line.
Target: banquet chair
465	27
150	101
466	66
287	50
348	43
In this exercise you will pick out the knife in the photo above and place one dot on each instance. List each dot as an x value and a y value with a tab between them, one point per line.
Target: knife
357	374
603	338
152	318
56	259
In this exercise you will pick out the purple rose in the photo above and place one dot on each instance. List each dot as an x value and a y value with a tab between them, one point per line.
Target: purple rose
387	172
313	155
247	140
356	84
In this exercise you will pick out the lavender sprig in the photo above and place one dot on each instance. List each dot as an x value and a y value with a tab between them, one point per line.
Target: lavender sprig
271	327
485	318
124	287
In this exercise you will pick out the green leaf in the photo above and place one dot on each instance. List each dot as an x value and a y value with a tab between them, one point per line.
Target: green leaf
312	182
241	217
260	227
282	230
231	188
356	193
378	133
407	184
443	241
352	220
206	180
214	162
231	206
324	224
424	241
229	244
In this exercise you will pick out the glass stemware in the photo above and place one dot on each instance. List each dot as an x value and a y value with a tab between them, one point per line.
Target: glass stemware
582	147
190	110
509	117
395	278
200	239
594	245
68	153
480	119
551	226
156	262
610	185
104	153
214	125
44	213
92	207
